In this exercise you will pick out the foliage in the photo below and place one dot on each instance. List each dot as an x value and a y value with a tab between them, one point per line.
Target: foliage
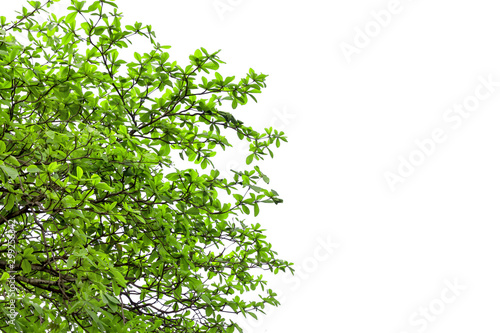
100	230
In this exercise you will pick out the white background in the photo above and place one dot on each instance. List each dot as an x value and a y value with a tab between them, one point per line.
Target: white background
349	120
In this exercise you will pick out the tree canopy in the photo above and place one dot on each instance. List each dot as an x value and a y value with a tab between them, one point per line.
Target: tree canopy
100	231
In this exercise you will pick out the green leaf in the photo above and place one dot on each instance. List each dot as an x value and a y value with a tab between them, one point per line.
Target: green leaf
206	299
104	186
52	167
209	311
37	308
79	172
110	298
50	134
74	307
137	57
70	17
26	266
116	288
12	173
99	30
234	306
119	277
193	211
256	210
11	201
4	277
33	168
253	315
12	160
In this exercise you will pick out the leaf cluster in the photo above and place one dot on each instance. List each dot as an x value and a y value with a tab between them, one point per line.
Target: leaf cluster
109	235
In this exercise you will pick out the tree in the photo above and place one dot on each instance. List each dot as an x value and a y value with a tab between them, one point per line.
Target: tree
100	231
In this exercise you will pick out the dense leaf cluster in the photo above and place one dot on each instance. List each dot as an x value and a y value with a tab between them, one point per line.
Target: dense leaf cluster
100	232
